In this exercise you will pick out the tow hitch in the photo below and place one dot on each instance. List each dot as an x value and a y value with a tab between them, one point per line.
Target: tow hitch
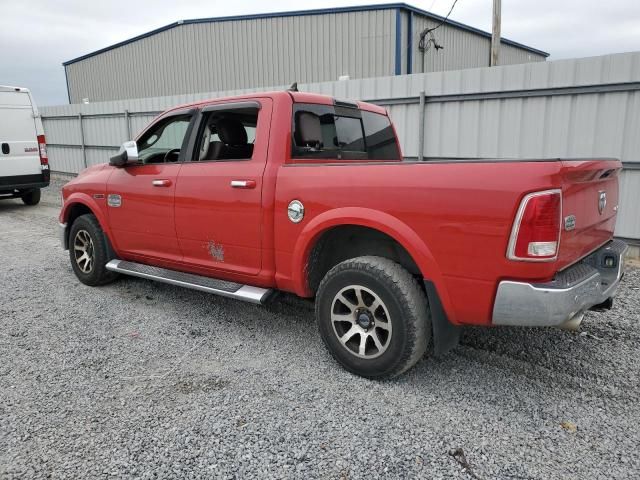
601	307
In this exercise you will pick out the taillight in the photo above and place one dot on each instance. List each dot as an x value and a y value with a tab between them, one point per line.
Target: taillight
42	148
535	235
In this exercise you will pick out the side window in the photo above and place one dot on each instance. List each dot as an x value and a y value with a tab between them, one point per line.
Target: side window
227	135
379	137
162	142
322	131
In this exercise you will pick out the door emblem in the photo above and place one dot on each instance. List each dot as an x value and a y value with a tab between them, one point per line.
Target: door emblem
114	200
295	211
569	223
602	201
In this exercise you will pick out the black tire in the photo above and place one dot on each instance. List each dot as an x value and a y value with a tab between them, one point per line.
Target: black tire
408	324
32	197
98	249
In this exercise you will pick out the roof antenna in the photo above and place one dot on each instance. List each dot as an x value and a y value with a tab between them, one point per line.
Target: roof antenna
293	87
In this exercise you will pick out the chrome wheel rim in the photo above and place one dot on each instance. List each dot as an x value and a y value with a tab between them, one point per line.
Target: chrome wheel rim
361	321
83	251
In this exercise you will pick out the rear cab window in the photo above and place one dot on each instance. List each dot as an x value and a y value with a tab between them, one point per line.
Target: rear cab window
341	133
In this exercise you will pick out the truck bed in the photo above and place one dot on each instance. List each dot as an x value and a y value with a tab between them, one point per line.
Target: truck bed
453	215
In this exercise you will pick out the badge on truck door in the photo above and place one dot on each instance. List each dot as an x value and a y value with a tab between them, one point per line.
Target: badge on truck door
114	200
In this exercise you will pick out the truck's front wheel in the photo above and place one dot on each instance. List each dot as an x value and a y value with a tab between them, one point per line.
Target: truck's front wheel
373	317
89	251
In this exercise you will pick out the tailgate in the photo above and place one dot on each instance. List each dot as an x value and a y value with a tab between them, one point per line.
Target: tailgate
589	206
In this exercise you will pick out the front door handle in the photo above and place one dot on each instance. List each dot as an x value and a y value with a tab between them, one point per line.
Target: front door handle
243	184
161	182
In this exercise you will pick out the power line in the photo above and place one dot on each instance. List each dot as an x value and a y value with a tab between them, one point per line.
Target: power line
424	46
445	18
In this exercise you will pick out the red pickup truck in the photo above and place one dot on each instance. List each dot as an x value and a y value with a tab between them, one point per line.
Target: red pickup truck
303	193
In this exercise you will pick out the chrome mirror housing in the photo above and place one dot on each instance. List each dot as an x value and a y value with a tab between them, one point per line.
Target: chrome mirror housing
128	153
131	147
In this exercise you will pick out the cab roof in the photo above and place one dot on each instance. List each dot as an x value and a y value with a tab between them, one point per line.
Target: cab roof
296	97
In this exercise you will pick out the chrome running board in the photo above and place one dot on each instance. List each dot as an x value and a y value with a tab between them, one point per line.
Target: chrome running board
188	280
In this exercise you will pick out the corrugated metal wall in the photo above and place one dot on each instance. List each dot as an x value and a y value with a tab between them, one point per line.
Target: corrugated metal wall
586	107
244	53
205	57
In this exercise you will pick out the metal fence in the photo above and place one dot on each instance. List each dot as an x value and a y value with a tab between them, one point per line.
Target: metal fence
569	108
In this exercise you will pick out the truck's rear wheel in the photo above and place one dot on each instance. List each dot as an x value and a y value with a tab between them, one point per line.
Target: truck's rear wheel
373	317
32	197
89	251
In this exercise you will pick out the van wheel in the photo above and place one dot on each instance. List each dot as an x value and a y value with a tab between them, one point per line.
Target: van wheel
373	317
32	197
90	251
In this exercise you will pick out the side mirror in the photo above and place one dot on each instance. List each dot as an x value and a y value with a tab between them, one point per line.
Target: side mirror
128	153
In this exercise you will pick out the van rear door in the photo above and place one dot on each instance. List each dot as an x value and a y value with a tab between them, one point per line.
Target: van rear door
19	155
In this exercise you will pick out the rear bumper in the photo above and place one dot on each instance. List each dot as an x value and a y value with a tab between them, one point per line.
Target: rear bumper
574	290
10	184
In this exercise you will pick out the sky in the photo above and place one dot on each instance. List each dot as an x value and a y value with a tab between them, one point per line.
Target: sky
36	36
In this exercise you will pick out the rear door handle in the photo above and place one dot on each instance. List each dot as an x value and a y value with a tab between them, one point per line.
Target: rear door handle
161	182
243	184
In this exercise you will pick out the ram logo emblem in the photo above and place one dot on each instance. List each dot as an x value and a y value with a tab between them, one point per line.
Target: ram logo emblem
602	201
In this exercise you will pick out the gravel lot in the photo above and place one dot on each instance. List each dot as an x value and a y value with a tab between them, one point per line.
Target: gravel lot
139	379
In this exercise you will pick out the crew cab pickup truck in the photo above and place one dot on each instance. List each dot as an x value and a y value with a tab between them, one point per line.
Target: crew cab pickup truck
297	192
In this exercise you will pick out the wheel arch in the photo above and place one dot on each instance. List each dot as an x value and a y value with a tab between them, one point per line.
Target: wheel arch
446	333
80	204
379	224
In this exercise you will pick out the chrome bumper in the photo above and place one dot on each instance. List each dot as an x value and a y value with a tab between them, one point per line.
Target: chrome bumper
574	290
62	235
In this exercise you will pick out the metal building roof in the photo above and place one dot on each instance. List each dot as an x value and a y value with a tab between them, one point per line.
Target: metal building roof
323	11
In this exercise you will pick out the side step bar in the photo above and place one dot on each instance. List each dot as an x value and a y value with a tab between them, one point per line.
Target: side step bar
188	280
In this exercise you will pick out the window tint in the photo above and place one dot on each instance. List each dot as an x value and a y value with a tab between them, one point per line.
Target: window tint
227	135
379	137
349	133
164	140
322	131
329	134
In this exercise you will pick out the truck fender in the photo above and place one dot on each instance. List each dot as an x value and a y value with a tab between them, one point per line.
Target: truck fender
84	199
370	218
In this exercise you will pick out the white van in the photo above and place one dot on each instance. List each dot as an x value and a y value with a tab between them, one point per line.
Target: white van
24	166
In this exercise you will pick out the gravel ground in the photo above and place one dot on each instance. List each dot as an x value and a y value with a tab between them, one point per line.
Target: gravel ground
139	379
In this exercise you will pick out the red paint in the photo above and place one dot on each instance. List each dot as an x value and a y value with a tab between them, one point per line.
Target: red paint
453	218
145	223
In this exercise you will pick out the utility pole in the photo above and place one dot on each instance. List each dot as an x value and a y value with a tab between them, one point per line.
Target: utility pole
495	32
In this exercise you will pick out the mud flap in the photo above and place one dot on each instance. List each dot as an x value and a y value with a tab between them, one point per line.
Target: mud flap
446	336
